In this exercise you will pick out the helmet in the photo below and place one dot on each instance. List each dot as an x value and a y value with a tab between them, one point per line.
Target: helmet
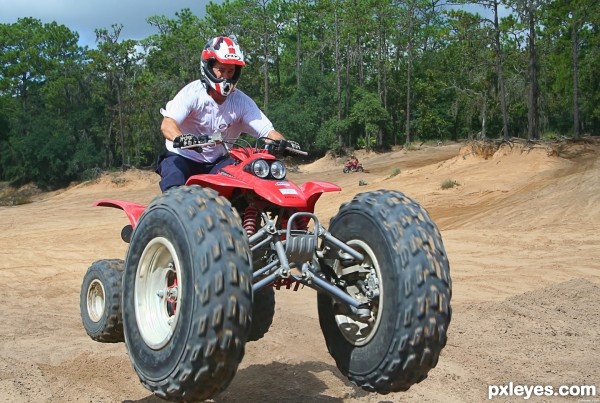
224	50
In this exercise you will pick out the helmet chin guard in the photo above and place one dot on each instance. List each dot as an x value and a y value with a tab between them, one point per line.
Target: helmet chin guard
224	50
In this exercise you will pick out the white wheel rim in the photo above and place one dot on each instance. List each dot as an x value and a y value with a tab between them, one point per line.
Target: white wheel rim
158	292
96	300
360	333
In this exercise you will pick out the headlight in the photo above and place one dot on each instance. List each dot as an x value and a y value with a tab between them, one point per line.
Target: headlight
260	168
278	170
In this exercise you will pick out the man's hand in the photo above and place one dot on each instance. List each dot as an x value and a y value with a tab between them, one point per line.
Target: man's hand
279	147
189	140
292	144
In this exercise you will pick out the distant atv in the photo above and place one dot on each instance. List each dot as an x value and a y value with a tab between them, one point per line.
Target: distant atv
204	260
350	166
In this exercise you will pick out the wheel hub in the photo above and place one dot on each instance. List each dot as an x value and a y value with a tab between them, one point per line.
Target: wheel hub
96	300
359	331
157	292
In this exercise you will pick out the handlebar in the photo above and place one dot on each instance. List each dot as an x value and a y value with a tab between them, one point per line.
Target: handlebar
296	151
273	146
213	140
207	144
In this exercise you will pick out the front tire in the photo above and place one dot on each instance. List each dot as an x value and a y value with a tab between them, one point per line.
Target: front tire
187	294
100	301
407	275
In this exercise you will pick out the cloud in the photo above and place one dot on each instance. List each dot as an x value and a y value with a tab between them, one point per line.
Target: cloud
84	16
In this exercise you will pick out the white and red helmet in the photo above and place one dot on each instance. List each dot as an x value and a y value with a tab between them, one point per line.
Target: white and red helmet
224	50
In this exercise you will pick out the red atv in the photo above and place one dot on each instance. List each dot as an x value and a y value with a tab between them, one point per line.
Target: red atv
204	261
353	166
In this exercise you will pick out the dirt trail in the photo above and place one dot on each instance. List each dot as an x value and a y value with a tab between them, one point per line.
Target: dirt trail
521	229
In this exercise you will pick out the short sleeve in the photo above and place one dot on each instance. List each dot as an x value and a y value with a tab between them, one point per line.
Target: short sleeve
181	105
254	121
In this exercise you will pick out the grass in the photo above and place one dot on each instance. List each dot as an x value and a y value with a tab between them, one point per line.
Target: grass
14	197
410	147
449	184
395	172
118	179
14	200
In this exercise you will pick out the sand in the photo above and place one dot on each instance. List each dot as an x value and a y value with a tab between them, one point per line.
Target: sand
520	226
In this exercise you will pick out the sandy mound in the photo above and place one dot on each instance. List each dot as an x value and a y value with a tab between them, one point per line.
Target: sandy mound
547	336
128	180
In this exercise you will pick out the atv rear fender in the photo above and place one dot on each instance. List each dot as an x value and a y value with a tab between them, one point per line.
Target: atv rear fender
132	210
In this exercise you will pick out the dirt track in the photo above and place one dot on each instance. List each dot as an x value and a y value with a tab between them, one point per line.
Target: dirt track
521	230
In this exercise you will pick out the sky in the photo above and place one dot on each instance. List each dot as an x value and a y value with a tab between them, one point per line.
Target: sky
84	16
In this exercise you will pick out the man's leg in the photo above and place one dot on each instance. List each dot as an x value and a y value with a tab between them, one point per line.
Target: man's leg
174	171
220	164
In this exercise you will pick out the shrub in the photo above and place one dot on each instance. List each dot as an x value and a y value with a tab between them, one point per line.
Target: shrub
395	172
449	184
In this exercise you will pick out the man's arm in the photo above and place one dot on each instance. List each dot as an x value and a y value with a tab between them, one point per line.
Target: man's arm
170	129
275	135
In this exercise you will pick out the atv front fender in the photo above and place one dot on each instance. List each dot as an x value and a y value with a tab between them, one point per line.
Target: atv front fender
132	210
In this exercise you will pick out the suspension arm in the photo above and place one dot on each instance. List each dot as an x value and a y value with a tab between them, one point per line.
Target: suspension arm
330	239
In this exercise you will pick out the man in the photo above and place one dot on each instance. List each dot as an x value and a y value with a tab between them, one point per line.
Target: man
353	161
204	107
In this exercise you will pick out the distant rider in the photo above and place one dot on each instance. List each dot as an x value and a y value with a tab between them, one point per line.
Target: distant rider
204	107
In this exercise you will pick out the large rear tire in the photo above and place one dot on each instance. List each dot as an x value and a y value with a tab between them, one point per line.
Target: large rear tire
100	301
187	294
407	275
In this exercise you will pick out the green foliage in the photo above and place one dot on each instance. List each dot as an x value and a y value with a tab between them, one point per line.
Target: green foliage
432	120
300	114
366	142
329	136
395	172
299	122
368	112
410	147
449	184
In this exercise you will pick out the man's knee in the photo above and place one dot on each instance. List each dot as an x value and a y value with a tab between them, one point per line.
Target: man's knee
172	173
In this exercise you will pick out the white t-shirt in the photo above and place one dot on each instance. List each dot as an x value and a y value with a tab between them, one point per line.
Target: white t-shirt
196	112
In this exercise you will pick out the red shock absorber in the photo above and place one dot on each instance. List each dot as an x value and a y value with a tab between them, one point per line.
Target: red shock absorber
250	220
302	223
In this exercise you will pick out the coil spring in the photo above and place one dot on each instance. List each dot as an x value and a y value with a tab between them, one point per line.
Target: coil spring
250	220
300	223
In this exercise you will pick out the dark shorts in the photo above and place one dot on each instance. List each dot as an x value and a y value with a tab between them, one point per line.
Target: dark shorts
175	169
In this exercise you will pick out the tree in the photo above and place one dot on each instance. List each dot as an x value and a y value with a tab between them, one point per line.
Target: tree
528	11
369	113
118	61
567	31
41	76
